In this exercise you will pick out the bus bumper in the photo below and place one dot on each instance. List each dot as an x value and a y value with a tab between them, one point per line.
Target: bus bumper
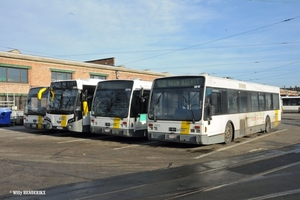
35	126
119	132
190	139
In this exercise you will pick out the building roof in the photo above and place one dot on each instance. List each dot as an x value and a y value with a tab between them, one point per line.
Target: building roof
77	64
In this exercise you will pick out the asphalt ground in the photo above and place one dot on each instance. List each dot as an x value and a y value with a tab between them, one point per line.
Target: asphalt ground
32	160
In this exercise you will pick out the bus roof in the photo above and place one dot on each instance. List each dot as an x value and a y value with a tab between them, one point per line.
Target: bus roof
137	83
290	97
225	82
80	82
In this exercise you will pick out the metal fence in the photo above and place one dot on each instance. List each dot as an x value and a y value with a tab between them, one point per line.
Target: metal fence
9	102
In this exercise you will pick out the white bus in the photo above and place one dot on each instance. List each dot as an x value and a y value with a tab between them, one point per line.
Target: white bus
70	104
35	108
204	109
291	104
120	108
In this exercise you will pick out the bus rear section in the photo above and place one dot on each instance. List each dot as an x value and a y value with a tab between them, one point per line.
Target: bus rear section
206	110
120	108
291	104
35	108
70	104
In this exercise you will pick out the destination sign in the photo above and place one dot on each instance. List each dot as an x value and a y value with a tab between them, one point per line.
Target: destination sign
179	82
64	85
115	85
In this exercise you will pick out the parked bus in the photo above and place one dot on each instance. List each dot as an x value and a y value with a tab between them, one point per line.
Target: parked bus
35	108
70	104
290	103
120	108
204	109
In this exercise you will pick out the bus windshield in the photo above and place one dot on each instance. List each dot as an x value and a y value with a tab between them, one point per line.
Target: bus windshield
182	100
34	105
63	98
111	103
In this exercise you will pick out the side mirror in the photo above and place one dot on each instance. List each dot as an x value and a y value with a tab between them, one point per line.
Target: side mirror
84	95
141	95
211	112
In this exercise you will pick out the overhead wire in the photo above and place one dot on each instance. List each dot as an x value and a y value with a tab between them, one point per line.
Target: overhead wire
256	72
212	41
159	50
266	77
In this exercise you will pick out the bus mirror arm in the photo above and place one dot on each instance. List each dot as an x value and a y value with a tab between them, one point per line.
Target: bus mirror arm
208	120
85	95
141	95
211	111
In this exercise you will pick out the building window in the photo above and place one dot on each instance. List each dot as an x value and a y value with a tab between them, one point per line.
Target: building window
13	74
58	76
98	76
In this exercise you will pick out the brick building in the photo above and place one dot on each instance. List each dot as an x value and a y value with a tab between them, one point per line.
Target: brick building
19	72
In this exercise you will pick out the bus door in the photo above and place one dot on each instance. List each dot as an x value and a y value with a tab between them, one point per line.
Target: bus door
138	111
86	98
213	108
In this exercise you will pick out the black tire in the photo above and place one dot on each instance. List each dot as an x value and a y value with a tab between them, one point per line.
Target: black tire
267	125
228	134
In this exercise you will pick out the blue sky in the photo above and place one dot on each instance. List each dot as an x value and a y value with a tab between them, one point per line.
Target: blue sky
249	40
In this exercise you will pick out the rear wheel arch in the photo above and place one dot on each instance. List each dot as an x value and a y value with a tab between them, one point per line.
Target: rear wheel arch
229	132
267	124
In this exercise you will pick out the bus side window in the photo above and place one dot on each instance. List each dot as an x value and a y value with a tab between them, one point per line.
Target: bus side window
225	109
216	102
232	101
243	101
261	100
208	112
268	101
276	101
207	108
254	101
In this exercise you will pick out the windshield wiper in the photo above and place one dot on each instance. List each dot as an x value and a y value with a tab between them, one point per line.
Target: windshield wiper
155	107
189	105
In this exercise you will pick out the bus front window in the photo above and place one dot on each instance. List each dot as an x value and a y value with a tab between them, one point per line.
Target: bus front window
176	104
111	103
64	100
34	105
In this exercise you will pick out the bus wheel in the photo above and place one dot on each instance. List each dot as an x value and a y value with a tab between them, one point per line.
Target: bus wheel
228	133
267	125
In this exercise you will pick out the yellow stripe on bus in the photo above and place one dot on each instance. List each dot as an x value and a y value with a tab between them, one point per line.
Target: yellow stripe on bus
185	127
63	122
276	118
40	121
116	123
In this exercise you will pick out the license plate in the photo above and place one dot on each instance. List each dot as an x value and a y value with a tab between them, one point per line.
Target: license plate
33	125
106	130
172	136
59	127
